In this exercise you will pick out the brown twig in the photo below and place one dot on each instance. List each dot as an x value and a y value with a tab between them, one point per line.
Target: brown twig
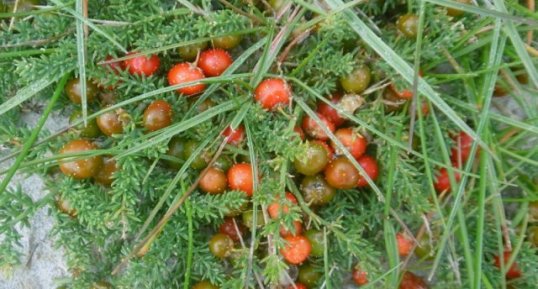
532	6
85	16
168	215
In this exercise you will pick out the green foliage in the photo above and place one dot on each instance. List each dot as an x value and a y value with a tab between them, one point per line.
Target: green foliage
321	48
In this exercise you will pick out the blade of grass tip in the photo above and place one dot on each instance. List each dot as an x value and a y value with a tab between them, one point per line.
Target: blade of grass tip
418	51
489	82
35	133
519	45
254	166
26	93
81	54
190	244
482	11
401	66
91	25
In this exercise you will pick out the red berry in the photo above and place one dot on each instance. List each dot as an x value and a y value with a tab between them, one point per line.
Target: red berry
412	281
240	178
298	230
142	65
330	113
233	229
341	174
273	93
312	128
213	181
360	277
442	182
186	72
369	164
274	208
352	141
514	271
157	115
405	244
234	136
297	286
462	149
214	61
296	250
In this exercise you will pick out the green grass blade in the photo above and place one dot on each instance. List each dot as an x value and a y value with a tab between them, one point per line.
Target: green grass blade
26	93
81	58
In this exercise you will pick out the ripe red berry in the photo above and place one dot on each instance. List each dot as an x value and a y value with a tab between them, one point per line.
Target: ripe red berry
296	250
274	208
369	164
81	168
233	229
297	286
213	181
157	115
240	178
412	281
311	127
234	136
405	244
186	72
442	183
214	61
462	148
142	65
514	271
273	93
340	173
352	141
360	277
330	113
